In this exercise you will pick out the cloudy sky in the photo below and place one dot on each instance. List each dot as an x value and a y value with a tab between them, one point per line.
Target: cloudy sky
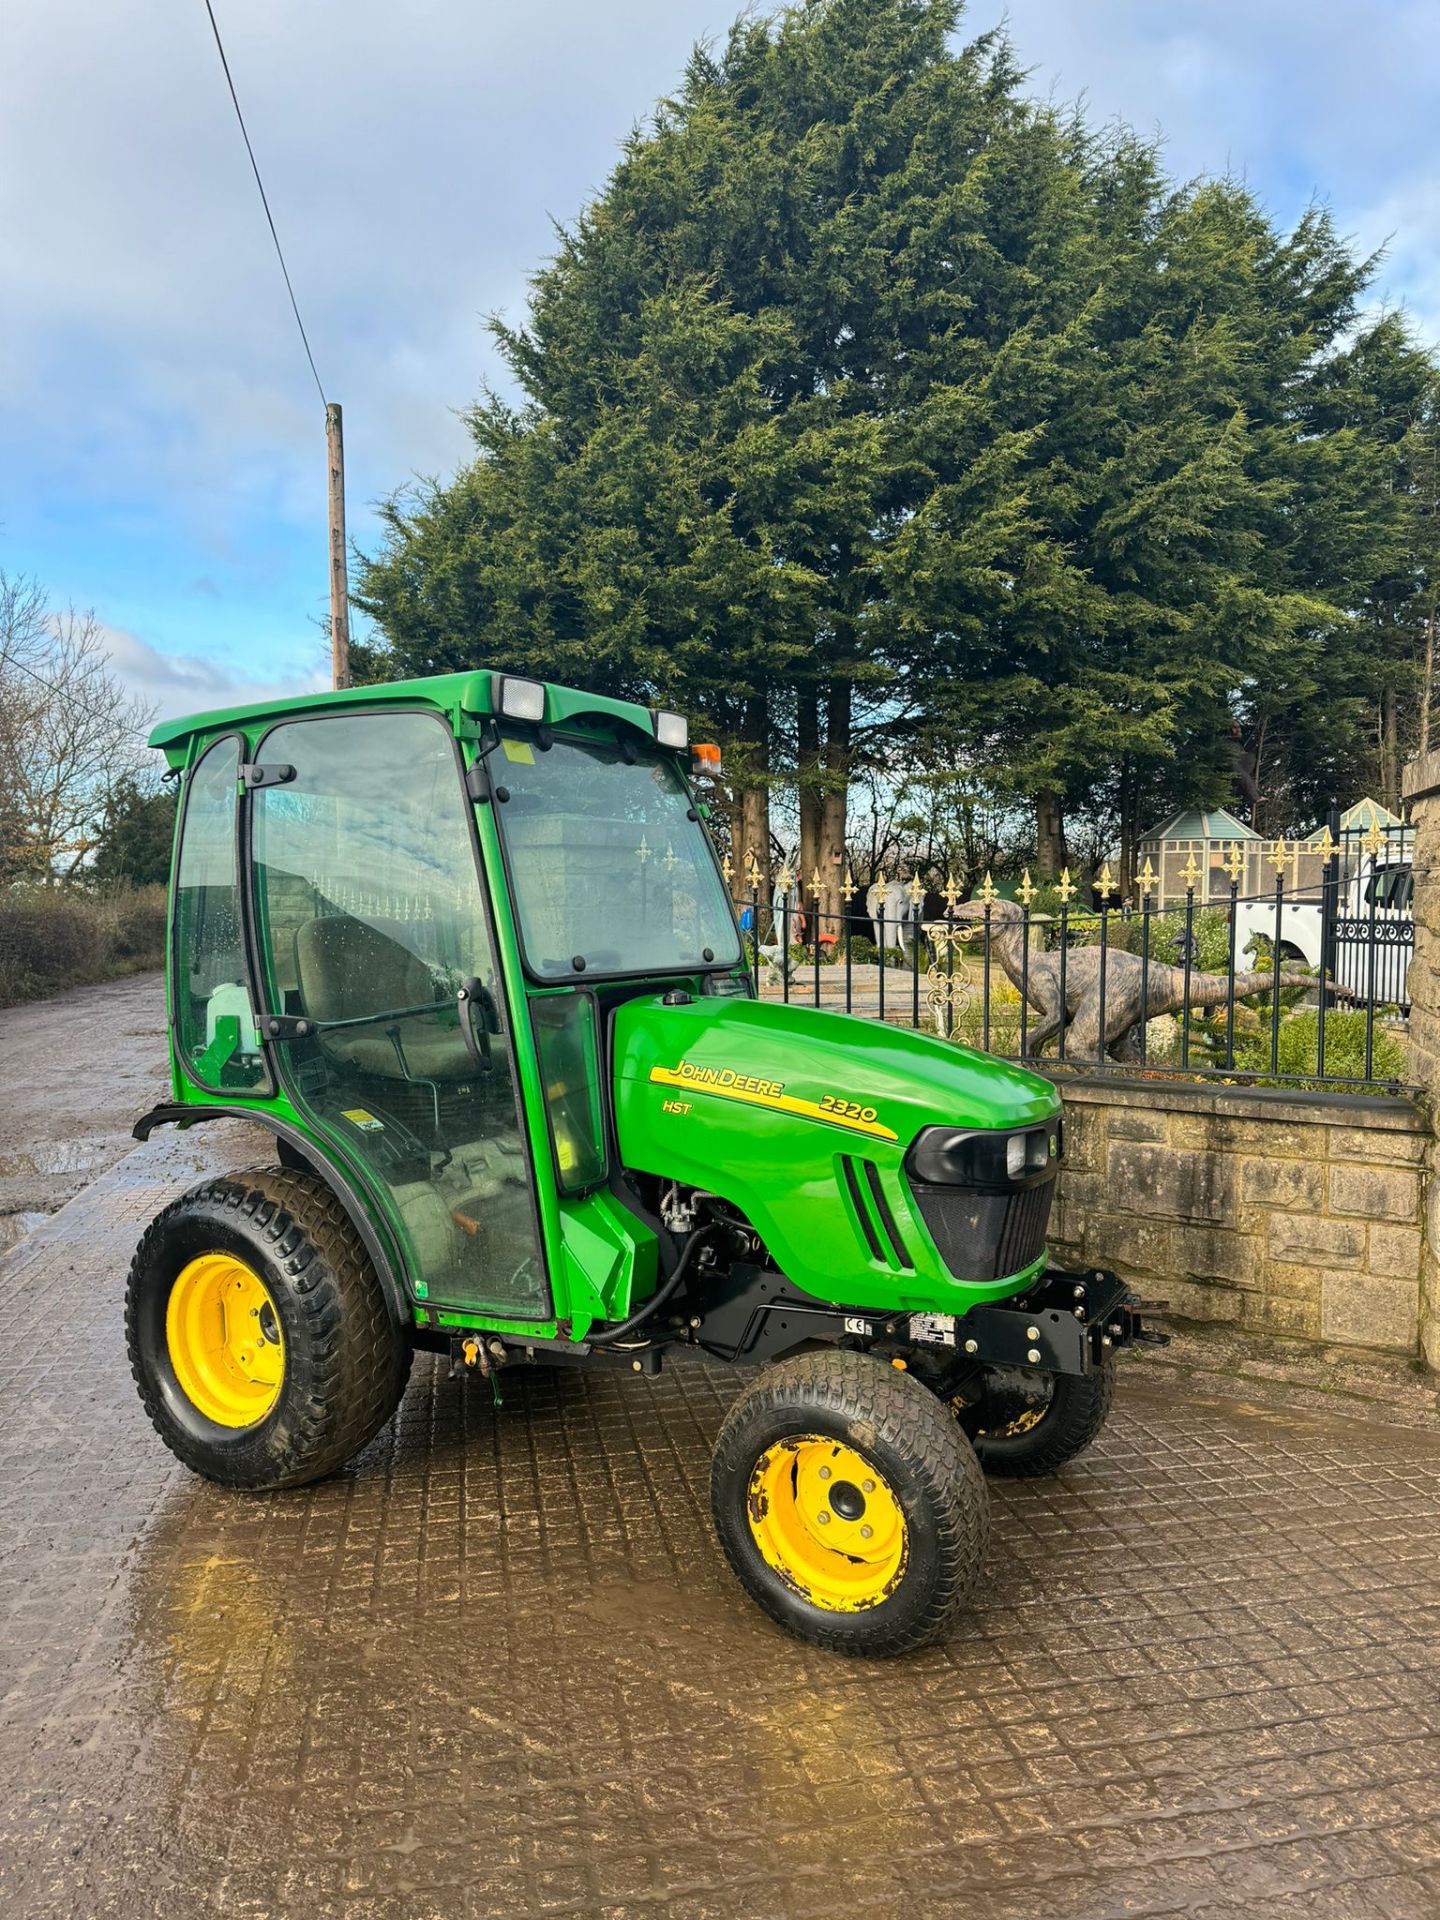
161	440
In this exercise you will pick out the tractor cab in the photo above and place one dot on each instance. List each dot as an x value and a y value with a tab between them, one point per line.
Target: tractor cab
463	946
370	906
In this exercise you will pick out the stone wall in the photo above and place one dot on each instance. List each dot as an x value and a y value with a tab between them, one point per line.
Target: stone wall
1422	792
1290	1214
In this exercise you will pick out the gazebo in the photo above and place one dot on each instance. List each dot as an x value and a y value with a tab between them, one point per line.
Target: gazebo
1368	828
1206	835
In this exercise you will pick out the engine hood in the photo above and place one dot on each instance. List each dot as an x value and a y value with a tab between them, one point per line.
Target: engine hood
832	1069
782	1109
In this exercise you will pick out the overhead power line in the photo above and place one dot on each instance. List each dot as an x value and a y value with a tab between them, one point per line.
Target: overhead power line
9	664
264	200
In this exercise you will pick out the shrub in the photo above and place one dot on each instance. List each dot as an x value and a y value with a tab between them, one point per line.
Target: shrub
52	938
1344	1046
137	926
1210	931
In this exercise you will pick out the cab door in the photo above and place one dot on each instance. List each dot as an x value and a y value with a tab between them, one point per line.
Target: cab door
381	964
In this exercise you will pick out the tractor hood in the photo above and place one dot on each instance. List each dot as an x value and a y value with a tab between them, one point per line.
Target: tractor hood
791	1112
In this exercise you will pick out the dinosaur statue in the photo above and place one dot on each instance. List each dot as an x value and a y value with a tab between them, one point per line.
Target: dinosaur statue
1124	973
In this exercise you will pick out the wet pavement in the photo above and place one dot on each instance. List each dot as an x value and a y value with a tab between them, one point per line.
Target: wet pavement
74	1072
499	1668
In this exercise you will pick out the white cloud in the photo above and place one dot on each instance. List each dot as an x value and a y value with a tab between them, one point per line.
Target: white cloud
183	683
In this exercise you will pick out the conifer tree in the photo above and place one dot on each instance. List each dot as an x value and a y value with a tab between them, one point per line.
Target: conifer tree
872	406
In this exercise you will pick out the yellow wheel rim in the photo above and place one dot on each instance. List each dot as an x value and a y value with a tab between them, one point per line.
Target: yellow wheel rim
827	1522
225	1342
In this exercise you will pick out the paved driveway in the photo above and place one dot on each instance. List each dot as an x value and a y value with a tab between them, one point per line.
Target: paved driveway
74	1072
499	1668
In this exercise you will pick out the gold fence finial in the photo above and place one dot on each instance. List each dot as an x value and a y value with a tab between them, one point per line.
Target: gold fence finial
916	888
1374	840
1149	880
1105	884
1190	872
849	890
1278	855
1025	892
727	868
1325	845
816	883
950	892
784	879
752	870
642	852
1065	887
987	889
1234	862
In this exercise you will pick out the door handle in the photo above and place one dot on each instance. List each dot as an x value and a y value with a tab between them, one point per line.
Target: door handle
476	1034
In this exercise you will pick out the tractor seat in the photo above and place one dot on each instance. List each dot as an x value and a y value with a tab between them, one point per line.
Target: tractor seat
349	969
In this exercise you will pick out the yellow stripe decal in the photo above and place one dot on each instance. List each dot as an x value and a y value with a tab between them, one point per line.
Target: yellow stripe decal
777	1102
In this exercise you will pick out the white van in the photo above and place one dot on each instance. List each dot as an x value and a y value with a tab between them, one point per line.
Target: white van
1374	930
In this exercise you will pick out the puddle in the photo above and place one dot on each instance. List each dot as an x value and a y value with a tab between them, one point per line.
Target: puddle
657	1610
56	1156
15	1226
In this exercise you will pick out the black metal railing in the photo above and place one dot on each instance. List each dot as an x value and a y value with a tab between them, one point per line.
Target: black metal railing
1299	982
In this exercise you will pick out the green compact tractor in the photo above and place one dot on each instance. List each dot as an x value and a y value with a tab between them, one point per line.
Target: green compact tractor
463	946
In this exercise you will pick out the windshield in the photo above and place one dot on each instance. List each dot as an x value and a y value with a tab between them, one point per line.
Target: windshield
608	864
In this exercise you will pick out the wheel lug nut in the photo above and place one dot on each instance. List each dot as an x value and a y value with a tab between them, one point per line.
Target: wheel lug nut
824	1519
824	1473
866	1532
867	1486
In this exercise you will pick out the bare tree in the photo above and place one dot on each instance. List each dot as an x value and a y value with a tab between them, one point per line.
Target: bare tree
68	732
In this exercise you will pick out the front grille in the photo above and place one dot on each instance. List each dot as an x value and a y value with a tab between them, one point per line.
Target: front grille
986	1236
1022	1239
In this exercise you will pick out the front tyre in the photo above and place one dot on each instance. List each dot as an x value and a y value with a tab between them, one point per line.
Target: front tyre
1024	1424
849	1504
258	1333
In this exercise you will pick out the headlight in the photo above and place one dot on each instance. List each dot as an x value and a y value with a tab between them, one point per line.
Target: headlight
518	699
984	1157
671	729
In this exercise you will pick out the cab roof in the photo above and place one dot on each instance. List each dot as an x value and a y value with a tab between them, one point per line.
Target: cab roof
453	694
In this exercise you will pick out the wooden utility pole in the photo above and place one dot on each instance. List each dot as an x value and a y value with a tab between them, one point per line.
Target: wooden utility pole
339	572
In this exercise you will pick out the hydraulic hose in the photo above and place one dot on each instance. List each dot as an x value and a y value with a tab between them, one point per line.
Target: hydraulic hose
662	1293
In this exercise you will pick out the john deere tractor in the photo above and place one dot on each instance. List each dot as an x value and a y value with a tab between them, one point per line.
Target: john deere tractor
463	947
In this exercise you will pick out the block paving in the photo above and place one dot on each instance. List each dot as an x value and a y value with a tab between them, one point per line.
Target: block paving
498	1667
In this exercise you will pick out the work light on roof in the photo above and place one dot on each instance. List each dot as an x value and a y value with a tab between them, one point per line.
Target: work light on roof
520	699
672	729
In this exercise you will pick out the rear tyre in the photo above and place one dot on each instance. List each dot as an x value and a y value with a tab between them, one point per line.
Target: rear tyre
1025	1424
259	1337
849	1504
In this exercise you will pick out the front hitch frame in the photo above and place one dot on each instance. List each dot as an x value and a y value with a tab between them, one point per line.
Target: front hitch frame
1066	1323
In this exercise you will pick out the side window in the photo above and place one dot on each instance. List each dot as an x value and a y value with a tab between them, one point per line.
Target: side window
570	1070
214	1021
1388	888
371	913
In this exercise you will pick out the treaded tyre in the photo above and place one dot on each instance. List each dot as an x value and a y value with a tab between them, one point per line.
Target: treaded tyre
258	1334
849	1503
1019	1434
